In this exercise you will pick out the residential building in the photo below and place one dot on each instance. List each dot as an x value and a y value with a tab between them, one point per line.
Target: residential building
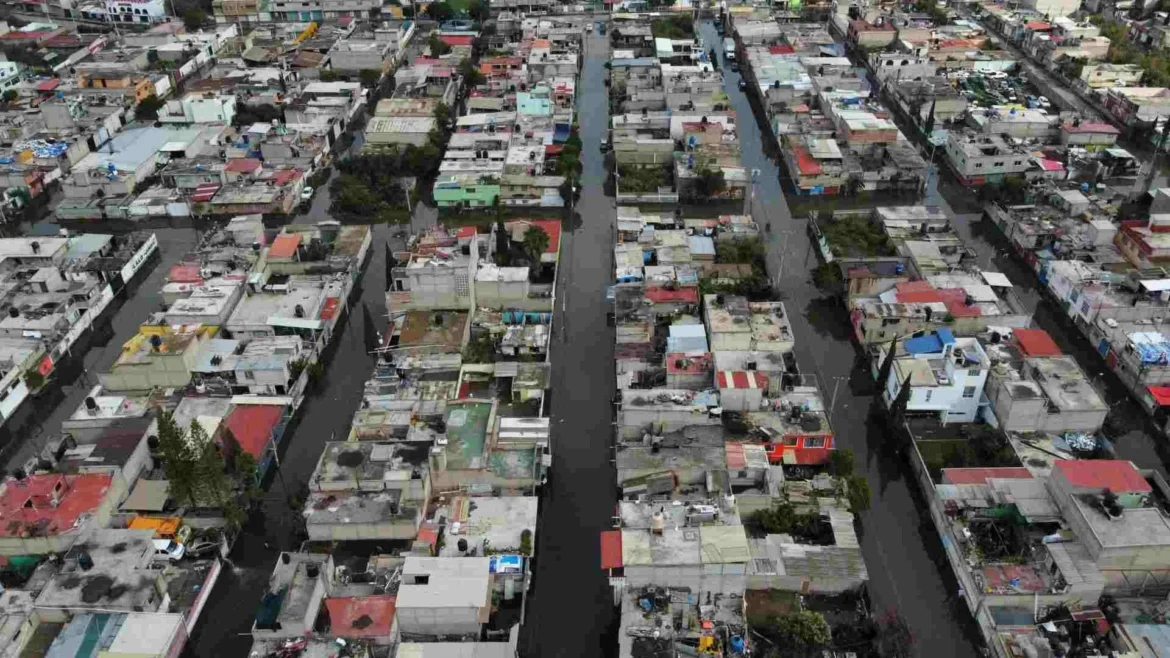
368	490
980	159
42	514
1034	387
444	597
946	376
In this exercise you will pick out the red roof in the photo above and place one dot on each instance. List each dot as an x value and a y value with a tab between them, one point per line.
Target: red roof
465	232
1117	475
252	425
244	165
551	226
921	292
981	475
184	273
781	49
49	504
1091	127
1036	342
361	616
961	310
658	294
48	85
1037	26
285	245
740	379
1161	395
807	164
1050	165
285	176
456	40
611	549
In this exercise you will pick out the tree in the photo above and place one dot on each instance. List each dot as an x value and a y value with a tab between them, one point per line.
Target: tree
710	182
887	364
329	75
148	107
370	77
804	629
437	46
478	10
442	115
503	255
898	406
212	486
472	77
194	19
928	127
859	494
841	463
178	459
536	241
440	11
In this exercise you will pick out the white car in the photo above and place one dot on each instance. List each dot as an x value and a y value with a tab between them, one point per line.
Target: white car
307	194
168	549
1044	102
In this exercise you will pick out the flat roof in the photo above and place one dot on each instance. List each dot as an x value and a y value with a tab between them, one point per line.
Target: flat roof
455	582
49	504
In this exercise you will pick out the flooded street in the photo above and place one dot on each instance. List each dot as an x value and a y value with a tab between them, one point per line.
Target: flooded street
326	413
569	609
908	570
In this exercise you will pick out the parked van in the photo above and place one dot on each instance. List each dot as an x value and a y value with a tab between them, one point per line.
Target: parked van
729	49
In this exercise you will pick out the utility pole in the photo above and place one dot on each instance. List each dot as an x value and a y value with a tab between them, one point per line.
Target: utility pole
1154	164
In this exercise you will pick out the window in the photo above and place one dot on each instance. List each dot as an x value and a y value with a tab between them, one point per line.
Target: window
1018	162
978	165
997	164
814	442
969	391
246	376
974	372
928	394
790	441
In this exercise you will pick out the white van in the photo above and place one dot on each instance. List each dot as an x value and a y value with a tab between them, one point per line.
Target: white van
729	49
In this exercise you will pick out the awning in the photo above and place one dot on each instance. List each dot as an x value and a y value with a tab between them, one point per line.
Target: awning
1161	395
611	549
1156	285
996	279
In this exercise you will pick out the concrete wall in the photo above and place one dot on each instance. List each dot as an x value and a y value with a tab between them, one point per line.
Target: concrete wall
700	578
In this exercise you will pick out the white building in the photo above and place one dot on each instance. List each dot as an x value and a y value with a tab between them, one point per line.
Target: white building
946	375
1052	8
444	596
136	11
199	108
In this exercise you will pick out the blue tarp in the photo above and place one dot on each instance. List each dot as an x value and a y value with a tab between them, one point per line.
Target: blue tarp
930	343
1154	352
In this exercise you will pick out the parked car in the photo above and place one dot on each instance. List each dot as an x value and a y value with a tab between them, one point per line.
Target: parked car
307	194
168	549
743	84
202	549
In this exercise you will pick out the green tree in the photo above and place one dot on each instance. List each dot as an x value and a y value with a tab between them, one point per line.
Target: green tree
178	459
535	243
33	379
804	629
710	183
212	486
442	115
436	45
329	75
472	77
479	10
148	107
887	364
440	11
841	462
859	494
194	19
370	77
